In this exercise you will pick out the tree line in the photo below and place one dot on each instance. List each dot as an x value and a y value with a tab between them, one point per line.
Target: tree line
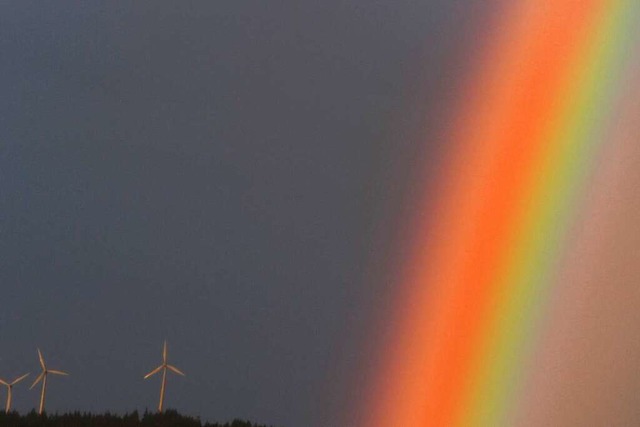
169	418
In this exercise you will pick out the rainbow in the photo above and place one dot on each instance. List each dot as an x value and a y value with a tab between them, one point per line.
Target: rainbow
546	106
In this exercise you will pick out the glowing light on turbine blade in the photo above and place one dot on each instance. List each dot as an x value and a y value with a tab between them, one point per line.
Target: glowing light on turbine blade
176	370
44	367
17	380
155	371
40	377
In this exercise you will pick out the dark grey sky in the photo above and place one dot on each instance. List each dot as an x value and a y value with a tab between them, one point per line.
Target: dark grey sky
218	173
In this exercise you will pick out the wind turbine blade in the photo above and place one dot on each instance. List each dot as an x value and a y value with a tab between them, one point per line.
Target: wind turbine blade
52	371
17	380
176	370
164	352
44	368
40	377
155	371
4	383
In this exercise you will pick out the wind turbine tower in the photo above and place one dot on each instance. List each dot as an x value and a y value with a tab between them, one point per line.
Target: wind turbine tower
43	377
163	367
9	386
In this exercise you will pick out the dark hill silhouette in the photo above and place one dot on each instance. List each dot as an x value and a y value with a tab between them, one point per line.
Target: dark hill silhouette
169	418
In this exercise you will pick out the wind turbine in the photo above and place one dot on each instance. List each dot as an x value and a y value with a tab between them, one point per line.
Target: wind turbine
165	365
43	377
9	386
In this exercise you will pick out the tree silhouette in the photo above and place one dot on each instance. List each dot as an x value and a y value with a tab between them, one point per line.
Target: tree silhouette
169	418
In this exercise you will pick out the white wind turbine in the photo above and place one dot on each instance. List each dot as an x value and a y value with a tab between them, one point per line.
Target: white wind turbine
43	377
9	386
163	367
